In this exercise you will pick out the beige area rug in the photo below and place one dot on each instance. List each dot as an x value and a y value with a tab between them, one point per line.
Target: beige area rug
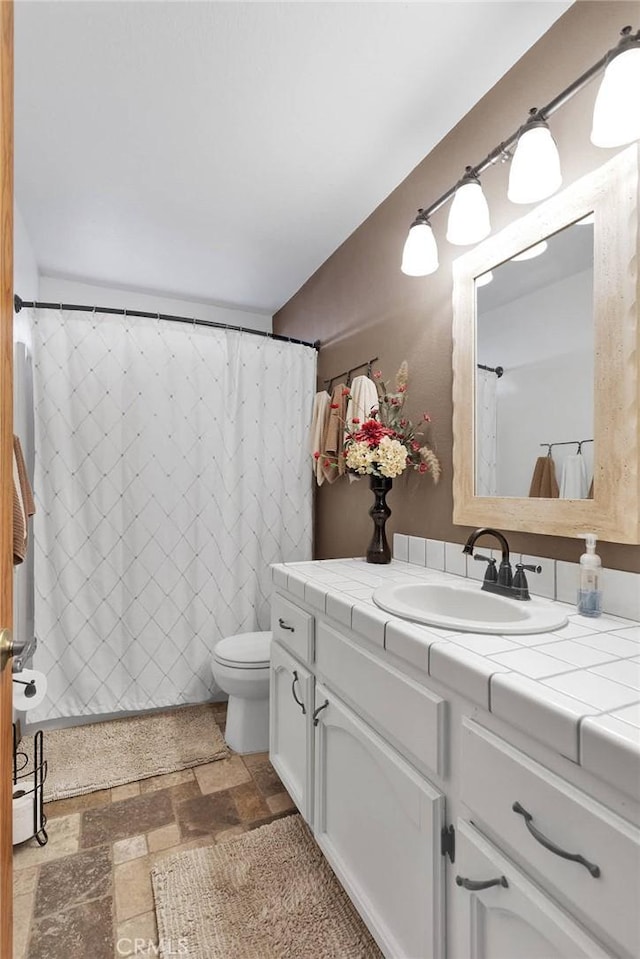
84	759
269	894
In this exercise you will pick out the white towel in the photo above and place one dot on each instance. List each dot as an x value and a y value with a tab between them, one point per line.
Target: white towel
319	416
574	478
364	397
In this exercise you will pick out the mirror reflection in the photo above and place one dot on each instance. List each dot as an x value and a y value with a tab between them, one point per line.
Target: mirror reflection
535	370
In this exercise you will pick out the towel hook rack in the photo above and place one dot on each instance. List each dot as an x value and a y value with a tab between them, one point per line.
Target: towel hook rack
347	373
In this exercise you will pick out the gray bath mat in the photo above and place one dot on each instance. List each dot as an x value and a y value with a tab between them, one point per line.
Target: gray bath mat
84	759
269	894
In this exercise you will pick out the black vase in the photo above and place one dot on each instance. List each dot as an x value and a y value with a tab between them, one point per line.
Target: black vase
379	550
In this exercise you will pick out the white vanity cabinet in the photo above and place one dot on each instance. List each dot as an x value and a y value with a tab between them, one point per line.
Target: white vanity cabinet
503	915
291	726
386	764
378	822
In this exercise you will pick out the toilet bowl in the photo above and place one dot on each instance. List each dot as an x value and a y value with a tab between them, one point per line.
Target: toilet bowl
240	667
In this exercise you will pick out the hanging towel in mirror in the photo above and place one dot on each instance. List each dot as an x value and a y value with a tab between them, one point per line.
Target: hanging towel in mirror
319	418
574	478
23	504
543	481
333	464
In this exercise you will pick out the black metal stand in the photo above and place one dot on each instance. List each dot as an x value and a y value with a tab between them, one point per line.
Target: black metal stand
36	776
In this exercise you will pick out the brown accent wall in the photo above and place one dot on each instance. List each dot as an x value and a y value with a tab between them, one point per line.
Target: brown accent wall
360	305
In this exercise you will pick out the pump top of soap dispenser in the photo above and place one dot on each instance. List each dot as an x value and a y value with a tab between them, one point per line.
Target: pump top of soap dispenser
590	558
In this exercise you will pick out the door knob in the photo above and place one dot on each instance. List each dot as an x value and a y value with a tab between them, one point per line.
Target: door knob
8	647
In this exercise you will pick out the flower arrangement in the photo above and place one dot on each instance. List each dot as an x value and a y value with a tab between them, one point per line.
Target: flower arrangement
387	442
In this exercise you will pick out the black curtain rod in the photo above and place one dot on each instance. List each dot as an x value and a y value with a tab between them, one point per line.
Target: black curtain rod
19	303
498	370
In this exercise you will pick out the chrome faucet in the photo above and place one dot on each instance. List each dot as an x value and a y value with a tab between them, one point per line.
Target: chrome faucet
501	580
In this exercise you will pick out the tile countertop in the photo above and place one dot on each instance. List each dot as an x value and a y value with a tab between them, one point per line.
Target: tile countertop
577	688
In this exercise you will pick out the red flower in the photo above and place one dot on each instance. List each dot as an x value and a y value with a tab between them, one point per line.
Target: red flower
355	420
403	422
402	389
372	432
394	401
335	406
415	446
346	392
316	455
377	374
426	417
423	468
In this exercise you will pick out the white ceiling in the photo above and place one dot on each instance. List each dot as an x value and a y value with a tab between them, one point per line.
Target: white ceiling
221	151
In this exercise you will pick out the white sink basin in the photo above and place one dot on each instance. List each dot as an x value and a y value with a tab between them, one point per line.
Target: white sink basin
467	609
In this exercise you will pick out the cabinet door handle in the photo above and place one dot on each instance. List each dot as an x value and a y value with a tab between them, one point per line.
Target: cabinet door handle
473	885
318	711
293	692
284	625
551	846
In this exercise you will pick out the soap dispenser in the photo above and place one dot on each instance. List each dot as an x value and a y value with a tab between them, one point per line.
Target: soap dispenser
589	592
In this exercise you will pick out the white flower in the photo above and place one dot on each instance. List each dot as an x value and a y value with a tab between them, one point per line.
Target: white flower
360	458
391	457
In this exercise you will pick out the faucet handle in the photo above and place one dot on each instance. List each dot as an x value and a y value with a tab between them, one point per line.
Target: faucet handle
491	575
529	568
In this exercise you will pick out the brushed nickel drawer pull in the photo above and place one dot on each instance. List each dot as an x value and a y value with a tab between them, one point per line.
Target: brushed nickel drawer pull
551	846
318	711
293	691
473	885
283	625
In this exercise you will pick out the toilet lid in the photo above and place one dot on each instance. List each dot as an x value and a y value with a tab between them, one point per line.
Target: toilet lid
248	650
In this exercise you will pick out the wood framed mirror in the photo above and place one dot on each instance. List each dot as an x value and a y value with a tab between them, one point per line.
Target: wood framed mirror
562	331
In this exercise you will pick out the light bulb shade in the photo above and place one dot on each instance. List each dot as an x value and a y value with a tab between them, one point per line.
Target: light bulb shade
469	220
531	253
420	254
484	279
616	118
535	169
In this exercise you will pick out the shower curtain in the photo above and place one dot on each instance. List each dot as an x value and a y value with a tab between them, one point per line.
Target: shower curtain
171	470
486	432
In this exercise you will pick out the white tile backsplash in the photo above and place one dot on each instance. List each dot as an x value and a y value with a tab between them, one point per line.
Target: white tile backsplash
567	579
417	551
435	554
401	547
557	581
455	561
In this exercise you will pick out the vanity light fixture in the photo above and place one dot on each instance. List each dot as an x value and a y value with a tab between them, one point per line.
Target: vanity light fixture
616	118
535	168
420	254
531	253
535	173
469	220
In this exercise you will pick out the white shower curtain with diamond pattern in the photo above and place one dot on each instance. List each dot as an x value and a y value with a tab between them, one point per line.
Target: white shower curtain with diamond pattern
171	470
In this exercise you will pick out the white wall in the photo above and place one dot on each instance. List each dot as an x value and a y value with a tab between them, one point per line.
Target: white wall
55	290
544	341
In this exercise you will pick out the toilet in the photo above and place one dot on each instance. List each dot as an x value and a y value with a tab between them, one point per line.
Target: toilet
240	667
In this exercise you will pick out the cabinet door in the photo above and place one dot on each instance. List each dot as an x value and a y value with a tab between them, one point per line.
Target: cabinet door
290	726
505	921
378	823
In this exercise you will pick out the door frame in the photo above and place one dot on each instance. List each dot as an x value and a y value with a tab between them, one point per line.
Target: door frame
6	470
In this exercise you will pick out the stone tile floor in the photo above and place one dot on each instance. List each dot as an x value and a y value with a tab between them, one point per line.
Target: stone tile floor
88	891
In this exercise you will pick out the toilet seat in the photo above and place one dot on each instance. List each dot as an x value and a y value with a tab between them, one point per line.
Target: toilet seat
244	651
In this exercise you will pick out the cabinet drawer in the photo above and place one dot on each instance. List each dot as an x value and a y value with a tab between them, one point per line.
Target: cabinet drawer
405	713
495	776
293	627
